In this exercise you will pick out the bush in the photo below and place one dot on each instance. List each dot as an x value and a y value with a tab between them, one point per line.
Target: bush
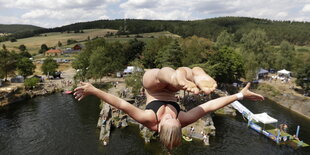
269	89
71	41
31	83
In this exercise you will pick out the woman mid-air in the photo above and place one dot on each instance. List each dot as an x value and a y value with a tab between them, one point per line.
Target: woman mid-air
162	113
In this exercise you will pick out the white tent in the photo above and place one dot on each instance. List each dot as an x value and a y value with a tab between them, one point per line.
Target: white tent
264	118
284	71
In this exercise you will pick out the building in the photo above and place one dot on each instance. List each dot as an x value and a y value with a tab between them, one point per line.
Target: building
53	52
77	47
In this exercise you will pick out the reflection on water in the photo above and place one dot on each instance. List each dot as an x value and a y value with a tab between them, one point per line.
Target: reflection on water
57	124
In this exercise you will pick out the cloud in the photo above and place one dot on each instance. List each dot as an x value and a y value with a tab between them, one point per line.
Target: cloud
60	12
136	4
56	4
57	12
306	8
156	9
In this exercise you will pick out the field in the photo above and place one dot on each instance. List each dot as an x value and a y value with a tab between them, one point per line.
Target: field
33	44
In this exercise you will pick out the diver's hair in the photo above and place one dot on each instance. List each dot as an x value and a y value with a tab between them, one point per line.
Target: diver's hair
170	135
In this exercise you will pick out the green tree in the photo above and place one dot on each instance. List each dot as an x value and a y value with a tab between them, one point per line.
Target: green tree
49	66
195	50
107	59
134	49
255	52
82	61
135	79
286	56
25	67
59	44
151	50
224	39
43	49
31	82
251	66
71	41
25	54
22	48
225	65
303	77
169	56
255	41
7	62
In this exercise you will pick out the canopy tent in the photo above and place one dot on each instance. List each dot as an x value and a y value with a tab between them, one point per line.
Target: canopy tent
284	71
262	71
264	118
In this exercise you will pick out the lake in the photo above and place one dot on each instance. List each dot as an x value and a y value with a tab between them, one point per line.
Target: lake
58	124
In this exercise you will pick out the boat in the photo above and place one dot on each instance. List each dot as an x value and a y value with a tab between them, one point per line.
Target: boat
68	92
187	138
264	124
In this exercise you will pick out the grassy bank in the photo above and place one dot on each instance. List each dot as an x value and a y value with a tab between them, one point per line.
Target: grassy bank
288	99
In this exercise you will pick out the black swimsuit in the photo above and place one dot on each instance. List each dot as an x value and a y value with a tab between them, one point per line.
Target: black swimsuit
156	104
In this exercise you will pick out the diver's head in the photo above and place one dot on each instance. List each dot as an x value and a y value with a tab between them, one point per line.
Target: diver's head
170	132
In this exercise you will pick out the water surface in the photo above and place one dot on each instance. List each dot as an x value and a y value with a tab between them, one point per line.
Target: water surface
58	124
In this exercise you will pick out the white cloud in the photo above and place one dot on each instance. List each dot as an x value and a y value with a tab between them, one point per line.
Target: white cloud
56	4
133	4
60	12
306	8
164	9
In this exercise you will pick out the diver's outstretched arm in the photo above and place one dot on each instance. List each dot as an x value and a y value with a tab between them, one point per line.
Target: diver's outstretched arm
196	113
88	89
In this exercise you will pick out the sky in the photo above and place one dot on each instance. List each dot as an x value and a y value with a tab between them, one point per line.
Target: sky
55	13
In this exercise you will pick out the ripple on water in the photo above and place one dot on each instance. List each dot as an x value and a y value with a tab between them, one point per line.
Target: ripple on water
58	124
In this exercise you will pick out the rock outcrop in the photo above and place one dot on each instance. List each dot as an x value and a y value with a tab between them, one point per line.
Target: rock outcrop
111	117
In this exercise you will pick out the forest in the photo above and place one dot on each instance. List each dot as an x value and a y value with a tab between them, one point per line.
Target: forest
228	48
296	33
224	59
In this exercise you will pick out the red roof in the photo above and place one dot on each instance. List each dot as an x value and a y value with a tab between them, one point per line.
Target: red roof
53	51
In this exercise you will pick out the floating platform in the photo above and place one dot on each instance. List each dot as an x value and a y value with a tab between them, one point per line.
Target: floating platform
262	123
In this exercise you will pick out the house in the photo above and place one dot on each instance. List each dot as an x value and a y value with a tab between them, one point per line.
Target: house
77	47
53	52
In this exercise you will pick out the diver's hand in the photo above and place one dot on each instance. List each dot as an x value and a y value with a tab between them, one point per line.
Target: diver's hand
247	94
84	90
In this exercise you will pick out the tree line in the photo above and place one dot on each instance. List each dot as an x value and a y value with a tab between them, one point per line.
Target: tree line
224	59
294	32
20	63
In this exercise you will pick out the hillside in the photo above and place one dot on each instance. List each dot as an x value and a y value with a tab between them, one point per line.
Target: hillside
13	28
51	39
295	32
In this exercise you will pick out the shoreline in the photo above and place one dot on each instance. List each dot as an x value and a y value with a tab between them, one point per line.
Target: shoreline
19	94
288	103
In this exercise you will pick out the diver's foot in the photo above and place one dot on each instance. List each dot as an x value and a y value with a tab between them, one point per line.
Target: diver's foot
204	82
205	85
189	86
185	84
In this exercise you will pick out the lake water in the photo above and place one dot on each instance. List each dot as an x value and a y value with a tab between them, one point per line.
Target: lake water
58	124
